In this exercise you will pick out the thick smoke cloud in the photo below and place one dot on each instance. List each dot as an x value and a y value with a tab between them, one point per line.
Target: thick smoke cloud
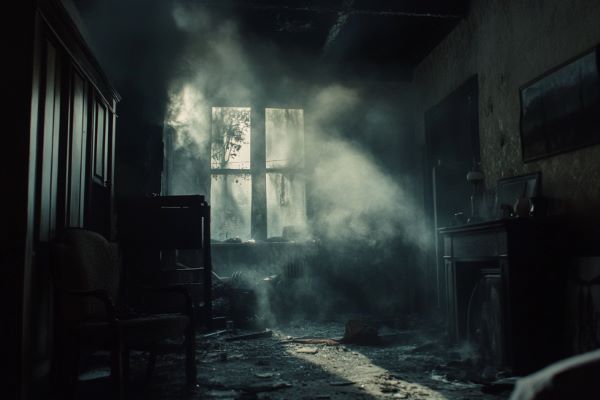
350	194
173	60
356	198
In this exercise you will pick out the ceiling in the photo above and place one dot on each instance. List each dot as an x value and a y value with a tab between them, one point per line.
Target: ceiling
378	39
354	35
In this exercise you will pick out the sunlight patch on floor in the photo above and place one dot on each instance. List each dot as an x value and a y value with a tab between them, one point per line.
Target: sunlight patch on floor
362	373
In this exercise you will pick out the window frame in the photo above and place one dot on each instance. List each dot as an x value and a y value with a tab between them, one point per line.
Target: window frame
258	169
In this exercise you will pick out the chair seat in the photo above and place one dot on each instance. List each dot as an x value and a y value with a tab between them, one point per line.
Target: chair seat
138	333
87	271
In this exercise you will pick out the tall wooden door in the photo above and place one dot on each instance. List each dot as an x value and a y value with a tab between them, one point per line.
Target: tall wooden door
452	136
99	203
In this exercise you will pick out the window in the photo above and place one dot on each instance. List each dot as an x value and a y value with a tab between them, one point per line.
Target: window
238	173
231	179
285	169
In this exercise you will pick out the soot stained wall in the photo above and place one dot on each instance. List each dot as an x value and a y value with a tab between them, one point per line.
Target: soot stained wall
507	44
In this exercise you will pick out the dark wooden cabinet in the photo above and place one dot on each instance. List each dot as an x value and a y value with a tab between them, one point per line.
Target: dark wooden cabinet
55	87
505	290
100	215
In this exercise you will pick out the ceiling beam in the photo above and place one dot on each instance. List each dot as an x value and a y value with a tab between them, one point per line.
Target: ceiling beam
322	9
337	26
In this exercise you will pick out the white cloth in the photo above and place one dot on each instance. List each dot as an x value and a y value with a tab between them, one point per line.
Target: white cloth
576	377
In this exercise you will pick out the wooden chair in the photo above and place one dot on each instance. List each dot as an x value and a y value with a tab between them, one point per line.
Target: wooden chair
86	274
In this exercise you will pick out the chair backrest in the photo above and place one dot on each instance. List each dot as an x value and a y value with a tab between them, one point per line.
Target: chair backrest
84	260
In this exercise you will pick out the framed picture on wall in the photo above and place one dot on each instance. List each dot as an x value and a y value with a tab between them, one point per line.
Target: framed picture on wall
560	110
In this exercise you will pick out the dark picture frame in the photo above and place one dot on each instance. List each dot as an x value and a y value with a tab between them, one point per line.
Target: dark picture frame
560	110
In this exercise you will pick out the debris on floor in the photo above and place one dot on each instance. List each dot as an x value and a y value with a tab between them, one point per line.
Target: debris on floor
248	336
307	350
341	383
263	375
304	361
361	332
317	363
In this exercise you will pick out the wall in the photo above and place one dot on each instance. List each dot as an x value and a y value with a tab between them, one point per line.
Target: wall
508	43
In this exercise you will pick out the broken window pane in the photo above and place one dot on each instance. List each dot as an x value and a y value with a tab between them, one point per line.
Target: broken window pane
286	202
230	138
285	138
230	206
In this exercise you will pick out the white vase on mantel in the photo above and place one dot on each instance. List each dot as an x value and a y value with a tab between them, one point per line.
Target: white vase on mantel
522	207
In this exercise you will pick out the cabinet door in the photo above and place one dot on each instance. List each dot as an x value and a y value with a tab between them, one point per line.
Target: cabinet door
99	203
77	151
49	140
48	200
100	133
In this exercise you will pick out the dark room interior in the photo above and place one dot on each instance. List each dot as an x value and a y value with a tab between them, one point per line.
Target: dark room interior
301	199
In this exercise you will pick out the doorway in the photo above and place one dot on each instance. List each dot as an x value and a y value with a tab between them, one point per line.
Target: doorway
452	143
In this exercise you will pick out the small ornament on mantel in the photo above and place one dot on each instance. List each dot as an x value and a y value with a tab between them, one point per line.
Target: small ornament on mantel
522	205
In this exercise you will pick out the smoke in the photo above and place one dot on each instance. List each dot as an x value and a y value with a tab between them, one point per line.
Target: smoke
356	198
213	70
186	115
214	60
351	195
174	60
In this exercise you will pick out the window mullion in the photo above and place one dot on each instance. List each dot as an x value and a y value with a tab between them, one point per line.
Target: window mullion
258	169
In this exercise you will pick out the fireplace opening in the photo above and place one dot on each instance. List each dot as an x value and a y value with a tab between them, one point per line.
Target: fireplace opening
484	319
479	317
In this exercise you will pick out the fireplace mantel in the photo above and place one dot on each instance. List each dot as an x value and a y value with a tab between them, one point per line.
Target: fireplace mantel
505	290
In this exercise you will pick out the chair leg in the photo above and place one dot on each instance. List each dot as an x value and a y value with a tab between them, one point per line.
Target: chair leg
126	366
151	364
190	355
116	368
71	372
65	367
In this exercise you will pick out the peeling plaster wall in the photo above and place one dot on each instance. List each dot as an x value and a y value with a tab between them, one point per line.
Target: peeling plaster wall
508	43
